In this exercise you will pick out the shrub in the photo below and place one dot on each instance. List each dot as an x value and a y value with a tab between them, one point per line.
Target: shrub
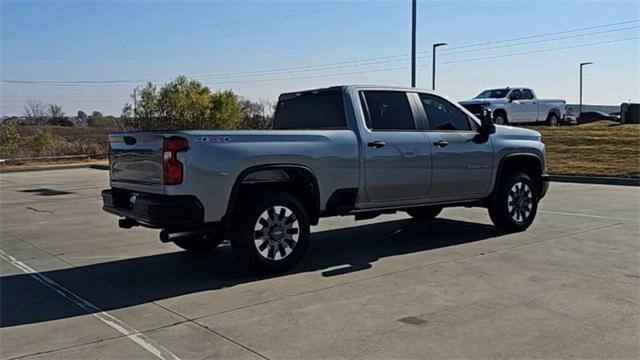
41	143
9	140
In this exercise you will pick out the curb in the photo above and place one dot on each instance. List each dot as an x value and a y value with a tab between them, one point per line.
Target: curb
55	167
595	180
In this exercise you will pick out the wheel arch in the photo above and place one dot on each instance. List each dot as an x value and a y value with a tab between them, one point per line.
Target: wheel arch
270	177
530	164
554	111
500	111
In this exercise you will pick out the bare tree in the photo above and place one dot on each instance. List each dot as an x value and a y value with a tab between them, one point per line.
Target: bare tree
55	111
256	115
35	111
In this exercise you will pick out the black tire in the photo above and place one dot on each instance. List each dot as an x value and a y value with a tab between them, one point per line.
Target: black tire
553	120
270	241
515	204
500	119
200	244
424	213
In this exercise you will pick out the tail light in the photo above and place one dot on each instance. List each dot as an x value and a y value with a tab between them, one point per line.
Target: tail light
173	170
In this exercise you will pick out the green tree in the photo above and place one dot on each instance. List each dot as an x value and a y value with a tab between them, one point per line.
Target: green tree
226	110
9	140
184	104
96	119
181	104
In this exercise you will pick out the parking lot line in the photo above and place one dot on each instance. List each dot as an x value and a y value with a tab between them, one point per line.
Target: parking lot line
117	324
587	215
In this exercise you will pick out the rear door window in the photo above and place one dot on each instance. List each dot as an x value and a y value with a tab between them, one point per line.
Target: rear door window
322	110
443	115
527	94
387	110
516	94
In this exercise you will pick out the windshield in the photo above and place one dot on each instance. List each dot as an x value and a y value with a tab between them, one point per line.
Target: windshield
493	94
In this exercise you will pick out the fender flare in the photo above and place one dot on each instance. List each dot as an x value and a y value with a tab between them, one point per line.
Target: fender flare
554	111
507	157
501	110
235	190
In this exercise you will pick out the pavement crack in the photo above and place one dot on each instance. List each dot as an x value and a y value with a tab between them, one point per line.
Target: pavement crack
232	340
66	347
40	211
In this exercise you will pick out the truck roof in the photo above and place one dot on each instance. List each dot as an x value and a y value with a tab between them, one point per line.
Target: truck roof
352	87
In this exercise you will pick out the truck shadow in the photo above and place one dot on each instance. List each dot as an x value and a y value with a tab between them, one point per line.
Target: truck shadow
136	281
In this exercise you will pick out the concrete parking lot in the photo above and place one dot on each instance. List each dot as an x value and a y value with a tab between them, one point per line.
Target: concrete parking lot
75	286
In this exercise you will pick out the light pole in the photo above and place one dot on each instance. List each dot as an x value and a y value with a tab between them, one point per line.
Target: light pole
413	43
580	106
135	102
433	67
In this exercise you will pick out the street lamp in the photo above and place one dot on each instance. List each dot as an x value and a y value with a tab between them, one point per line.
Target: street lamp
433	68
413	43
580	107
135	102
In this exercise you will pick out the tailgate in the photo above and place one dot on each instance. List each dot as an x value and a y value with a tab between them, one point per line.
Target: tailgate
136	159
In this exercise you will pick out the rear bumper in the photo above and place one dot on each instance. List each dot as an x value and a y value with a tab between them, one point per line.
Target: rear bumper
154	210
545	185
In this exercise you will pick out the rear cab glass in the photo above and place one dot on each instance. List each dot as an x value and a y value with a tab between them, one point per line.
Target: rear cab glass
311	110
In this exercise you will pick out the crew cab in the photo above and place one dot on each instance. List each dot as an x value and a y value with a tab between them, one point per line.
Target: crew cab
345	150
517	105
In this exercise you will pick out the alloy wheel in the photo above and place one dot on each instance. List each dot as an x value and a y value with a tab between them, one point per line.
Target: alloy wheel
276	233
520	202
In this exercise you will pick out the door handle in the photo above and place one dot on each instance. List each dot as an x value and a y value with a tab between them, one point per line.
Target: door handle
441	143
377	144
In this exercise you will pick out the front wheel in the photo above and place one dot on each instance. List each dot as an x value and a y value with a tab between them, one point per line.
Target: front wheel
501	119
515	204
271	234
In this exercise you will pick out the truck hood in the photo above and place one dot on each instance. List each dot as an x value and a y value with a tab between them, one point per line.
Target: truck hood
516	133
479	101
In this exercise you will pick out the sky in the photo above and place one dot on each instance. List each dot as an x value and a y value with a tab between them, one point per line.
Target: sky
262	48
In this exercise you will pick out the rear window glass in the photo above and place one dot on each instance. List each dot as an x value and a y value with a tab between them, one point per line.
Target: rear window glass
323	110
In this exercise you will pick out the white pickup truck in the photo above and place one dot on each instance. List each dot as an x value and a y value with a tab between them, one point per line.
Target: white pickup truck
517	105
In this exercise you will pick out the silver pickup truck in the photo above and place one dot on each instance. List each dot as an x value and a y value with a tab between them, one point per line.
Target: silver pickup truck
345	150
517	105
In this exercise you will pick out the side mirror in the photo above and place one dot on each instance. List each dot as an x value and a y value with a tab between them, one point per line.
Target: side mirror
512	98
487	127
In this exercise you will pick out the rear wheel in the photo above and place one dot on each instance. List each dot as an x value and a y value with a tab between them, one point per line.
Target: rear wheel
515	204
552	120
200	244
425	213
271	234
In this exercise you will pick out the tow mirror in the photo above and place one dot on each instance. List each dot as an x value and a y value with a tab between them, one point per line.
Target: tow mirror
487	126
